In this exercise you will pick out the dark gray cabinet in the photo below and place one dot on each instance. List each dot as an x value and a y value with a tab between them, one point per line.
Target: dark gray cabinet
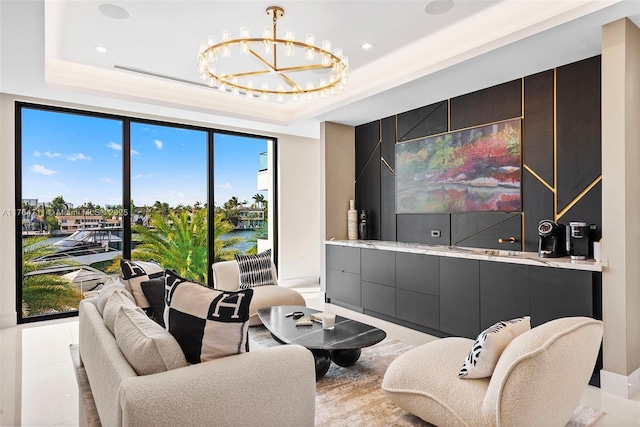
504	292
418	308
343	275
455	296
343	258
417	289
378	273
418	273
460	297
378	266
557	292
379	298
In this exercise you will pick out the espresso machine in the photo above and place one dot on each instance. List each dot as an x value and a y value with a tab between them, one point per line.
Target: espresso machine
580	240
552	242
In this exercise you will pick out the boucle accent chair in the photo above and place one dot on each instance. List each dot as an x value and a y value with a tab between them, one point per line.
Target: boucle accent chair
227	278
538	381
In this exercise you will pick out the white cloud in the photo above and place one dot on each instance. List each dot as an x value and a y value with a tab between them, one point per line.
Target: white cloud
42	170
52	155
107	180
226	186
135	153
159	144
114	146
75	157
37	154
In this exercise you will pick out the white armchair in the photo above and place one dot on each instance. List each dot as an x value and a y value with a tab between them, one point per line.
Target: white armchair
538	380
227	277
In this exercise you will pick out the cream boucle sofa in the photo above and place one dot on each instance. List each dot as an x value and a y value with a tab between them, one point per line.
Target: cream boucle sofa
227	278
272	386
538	381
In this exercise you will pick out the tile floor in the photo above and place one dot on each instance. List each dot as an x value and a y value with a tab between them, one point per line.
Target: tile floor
38	385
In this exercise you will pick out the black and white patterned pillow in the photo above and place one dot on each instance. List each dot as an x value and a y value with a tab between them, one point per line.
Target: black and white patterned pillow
486	350
207	323
255	270
136	272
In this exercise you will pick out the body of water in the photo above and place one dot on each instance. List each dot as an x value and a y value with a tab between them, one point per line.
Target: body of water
248	237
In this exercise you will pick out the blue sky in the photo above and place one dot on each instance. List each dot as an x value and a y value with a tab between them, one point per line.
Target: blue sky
80	158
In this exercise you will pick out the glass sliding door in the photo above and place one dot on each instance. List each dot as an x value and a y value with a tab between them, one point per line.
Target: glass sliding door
169	198
71	207
243	181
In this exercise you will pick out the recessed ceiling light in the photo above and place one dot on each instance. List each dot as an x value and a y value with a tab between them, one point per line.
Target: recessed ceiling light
438	7
366	46
101	49
113	11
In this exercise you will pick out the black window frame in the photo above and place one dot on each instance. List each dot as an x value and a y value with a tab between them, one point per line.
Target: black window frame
126	187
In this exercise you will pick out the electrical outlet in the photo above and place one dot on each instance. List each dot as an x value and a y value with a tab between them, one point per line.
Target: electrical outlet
435	233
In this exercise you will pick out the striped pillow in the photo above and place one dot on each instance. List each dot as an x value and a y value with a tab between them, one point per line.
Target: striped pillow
491	342
255	270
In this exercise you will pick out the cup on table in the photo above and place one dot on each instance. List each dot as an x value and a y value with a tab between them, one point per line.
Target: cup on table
328	321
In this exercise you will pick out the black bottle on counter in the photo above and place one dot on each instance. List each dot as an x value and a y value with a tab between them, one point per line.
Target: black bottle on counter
363	226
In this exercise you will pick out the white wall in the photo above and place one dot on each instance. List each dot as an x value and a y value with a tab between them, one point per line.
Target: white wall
299	198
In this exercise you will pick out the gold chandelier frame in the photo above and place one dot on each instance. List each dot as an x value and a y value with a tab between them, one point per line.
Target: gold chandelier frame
334	61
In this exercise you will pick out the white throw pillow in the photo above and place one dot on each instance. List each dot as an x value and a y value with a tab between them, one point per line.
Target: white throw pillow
105	293
485	352
116	300
148	347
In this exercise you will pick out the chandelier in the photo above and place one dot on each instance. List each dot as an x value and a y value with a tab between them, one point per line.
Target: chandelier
262	67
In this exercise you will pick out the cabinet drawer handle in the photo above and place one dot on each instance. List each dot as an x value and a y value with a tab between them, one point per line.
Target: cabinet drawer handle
511	240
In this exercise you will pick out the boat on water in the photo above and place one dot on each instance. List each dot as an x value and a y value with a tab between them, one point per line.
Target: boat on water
81	277
88	246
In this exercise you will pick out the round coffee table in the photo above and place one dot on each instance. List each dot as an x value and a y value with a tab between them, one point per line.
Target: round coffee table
342	345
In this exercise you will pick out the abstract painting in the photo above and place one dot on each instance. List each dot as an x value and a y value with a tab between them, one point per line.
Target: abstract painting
472	170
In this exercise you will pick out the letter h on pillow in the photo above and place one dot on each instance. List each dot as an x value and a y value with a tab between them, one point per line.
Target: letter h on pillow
486	350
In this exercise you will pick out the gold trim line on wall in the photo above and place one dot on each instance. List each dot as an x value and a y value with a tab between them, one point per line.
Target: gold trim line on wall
560	214
522	236
388	165
536	176
522	98
370	156
555	149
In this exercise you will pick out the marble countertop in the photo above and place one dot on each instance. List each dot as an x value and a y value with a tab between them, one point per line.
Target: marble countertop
508	256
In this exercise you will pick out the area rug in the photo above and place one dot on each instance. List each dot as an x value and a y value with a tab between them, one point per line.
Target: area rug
353	397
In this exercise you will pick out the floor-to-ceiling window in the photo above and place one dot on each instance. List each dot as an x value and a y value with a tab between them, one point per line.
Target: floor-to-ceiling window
71	207
169	198
94	188
241	194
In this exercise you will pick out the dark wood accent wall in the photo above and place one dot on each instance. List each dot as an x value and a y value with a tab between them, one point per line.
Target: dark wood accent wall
561	151
489	105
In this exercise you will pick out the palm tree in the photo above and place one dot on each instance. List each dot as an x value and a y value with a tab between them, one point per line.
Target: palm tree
44	293
179	242
259	199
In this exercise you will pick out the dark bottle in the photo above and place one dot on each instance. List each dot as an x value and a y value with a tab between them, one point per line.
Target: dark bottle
363	226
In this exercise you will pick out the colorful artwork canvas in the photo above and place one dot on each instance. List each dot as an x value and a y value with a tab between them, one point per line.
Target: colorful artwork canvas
473	170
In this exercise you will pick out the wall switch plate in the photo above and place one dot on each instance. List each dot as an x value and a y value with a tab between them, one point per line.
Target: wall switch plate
435	233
